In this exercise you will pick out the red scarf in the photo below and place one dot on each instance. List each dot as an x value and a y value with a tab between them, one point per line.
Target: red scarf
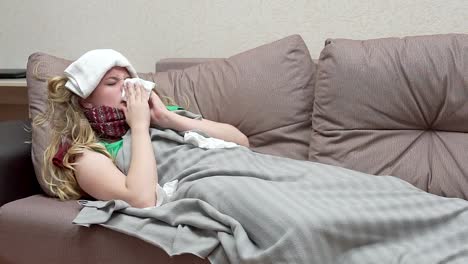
107	122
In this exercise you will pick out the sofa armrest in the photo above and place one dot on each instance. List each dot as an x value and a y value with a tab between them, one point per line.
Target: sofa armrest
179	63
17	177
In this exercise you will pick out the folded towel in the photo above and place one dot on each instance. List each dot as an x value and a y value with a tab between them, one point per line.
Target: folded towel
86	72
146	84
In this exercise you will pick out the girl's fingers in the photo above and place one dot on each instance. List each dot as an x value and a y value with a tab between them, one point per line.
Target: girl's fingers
143	94
130	92
135	92
126	90
137	88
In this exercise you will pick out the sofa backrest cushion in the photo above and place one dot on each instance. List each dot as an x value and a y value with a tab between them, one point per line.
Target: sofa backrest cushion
266	92
39	69
395	106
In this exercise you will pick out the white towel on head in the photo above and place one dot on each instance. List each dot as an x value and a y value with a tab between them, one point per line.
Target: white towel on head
86	72
146	84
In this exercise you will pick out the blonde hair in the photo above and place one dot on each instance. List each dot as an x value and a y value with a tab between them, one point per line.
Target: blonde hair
67	122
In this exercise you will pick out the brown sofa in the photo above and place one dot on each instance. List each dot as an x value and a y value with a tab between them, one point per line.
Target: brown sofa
394	106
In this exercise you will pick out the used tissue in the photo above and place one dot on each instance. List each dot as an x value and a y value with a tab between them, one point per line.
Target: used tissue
146	84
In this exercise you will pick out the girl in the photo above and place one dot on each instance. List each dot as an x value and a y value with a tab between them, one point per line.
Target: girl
89	117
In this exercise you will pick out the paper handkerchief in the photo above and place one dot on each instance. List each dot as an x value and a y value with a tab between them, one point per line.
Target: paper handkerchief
146	84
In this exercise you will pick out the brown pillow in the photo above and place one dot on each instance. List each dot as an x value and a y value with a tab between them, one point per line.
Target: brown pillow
266	92
396	107
40	67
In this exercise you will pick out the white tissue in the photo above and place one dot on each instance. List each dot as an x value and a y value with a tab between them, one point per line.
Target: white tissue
164	193
146	84
198	140
170	187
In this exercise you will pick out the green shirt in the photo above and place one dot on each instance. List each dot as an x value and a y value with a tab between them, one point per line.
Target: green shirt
114	147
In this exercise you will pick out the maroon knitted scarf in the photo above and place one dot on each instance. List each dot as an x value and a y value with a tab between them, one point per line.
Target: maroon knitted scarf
107	122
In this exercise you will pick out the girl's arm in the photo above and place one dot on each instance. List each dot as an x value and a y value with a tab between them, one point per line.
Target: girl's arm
100	178
213	129
164	118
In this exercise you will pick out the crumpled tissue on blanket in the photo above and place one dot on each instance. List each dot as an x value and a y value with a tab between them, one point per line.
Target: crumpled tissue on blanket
201	141
164	193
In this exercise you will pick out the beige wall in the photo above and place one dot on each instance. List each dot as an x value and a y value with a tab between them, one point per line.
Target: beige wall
148	30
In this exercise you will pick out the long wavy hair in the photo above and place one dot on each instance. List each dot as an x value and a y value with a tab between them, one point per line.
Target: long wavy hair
67	122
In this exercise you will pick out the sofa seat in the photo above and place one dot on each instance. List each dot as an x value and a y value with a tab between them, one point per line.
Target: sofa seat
33	228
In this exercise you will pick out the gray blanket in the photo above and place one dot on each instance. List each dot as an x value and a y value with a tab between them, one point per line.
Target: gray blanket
239	206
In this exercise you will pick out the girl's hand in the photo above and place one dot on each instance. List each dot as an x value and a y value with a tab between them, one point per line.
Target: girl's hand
158	111
137	113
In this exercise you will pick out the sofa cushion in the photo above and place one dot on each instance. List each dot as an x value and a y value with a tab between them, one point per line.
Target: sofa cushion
41	67
42	227
266	92
395	106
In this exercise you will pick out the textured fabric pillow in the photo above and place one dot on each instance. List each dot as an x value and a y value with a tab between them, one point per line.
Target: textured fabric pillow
266	92
395	107
40	67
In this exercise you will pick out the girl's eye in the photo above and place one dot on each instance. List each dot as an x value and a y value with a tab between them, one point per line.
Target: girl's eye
110	84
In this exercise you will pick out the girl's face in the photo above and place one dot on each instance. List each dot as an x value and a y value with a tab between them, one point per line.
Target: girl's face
108	91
